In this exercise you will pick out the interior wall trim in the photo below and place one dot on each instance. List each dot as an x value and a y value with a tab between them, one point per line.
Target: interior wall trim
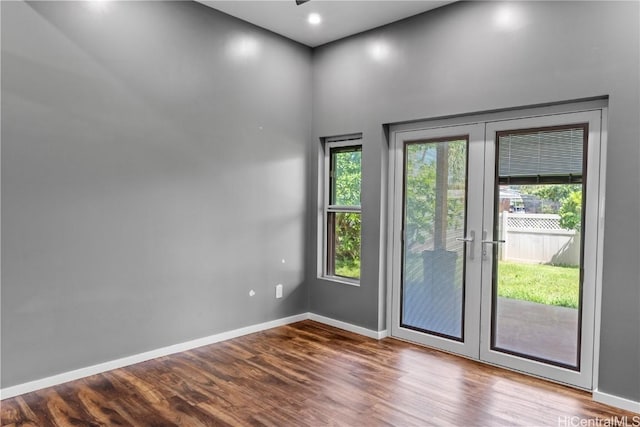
77	374
8	392
618	402
378	335
64	377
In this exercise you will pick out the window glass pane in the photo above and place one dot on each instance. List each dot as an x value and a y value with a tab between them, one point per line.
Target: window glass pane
346	176
344	244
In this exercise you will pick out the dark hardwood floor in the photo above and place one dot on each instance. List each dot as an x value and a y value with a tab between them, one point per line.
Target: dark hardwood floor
309	374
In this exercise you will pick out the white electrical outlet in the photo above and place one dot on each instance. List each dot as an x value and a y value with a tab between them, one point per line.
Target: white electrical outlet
279	290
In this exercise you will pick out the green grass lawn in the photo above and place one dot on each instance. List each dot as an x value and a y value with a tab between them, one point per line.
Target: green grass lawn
546	284
348	268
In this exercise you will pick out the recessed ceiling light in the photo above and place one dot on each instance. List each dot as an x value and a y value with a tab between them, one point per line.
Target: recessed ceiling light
314	19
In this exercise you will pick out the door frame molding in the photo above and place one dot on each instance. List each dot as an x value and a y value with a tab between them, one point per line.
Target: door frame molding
587	104
582	378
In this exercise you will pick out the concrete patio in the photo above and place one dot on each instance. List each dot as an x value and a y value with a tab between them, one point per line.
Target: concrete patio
545	331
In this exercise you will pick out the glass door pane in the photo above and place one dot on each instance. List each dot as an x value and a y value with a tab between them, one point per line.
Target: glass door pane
537	276
540	245
437	212
434	218
537	259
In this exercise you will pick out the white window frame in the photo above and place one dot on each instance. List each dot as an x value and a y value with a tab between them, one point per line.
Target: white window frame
323	258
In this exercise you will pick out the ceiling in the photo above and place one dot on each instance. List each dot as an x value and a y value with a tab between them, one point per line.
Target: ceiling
340	18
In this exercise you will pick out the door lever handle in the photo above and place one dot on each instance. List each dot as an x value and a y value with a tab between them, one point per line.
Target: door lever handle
489	242
468	239
493	242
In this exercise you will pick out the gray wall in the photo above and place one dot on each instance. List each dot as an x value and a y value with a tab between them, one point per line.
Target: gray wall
455	60
155	163
153	172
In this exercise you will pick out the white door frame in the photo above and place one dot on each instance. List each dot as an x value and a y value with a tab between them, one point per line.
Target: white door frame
583	377
470	345
596	159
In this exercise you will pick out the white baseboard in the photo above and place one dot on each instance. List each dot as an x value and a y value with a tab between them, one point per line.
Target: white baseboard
348	326
5	393
618	402
64	377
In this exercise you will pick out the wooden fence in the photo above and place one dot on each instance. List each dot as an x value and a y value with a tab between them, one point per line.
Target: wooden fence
538	238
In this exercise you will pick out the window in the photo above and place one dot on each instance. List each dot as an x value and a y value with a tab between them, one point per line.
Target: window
342	212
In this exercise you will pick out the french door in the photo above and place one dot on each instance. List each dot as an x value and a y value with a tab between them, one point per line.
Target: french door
494	240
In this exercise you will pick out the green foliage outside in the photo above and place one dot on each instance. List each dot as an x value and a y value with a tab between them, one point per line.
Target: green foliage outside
545	284
420	198
550	195
348	178
347	261
420	189
346	188
571	211
555	192
348	268
563	199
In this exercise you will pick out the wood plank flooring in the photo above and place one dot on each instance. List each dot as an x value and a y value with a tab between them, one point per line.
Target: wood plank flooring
309	374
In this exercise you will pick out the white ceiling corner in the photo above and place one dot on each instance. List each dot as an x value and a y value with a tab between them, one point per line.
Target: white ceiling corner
340	18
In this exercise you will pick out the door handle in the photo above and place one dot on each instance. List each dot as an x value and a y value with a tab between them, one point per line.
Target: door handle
469	239
485	241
